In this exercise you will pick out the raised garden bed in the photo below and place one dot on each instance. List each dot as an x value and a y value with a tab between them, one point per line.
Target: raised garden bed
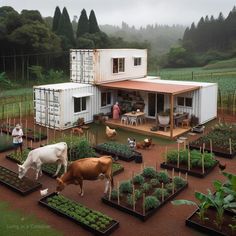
23	186
223	139
93	221
50	169
196	166
122	151
209	227
144	195
5	142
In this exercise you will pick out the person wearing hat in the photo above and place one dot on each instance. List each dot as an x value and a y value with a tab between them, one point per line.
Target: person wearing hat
17	135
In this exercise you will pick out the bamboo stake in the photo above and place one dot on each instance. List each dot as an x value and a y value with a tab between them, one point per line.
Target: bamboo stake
173	173
230	146
179	174
203	148
144	204
47	135
186	176
118	193
162	192
211	145
189	161
178	157
203	166
133	199
31	144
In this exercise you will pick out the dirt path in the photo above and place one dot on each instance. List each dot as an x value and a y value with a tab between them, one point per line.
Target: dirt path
169	220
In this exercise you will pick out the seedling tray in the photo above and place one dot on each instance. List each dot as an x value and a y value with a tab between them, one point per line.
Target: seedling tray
185	169
23	186
190	222
46	203
216	152
139	215
114	154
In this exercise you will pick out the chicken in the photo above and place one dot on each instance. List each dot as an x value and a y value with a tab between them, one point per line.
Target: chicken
77	130
221	166
44	192
146	143
110	132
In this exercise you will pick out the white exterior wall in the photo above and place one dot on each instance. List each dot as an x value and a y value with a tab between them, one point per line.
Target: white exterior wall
208	103
96	66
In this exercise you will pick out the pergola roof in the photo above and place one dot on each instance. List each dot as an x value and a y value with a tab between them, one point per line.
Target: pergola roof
164	88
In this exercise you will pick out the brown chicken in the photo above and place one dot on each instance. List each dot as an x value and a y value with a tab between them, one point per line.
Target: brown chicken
221	166
144	144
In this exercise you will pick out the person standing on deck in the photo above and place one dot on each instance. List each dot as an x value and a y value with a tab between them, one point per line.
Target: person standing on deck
116	111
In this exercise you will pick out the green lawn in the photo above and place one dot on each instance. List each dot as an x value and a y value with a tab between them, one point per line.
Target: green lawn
16	223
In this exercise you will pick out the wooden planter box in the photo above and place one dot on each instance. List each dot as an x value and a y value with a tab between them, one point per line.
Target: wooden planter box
218	153
115	154
23	186
114	225
210	228
141	216
191	172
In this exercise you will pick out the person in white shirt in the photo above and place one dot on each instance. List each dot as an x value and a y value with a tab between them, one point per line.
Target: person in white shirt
17	135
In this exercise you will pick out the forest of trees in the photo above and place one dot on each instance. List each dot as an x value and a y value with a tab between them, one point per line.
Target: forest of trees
211	39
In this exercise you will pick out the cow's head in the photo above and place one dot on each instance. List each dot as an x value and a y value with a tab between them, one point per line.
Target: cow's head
21	170
60	185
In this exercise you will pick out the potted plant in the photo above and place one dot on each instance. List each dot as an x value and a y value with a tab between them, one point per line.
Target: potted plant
164	117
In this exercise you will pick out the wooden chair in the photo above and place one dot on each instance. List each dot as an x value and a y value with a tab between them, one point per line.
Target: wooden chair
185	123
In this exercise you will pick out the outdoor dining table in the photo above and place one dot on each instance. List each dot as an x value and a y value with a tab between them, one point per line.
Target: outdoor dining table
135	117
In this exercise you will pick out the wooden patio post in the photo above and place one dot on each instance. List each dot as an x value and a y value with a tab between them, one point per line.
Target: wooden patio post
171	115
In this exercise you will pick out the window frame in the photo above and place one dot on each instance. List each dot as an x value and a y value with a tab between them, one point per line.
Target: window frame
120	65
108	98
184	102
137	61
82	104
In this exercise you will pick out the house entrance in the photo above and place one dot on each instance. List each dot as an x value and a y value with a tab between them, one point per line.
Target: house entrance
155	104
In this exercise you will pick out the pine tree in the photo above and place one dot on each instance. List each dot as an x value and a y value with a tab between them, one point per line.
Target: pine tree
83	24
65	28
93	24
56	18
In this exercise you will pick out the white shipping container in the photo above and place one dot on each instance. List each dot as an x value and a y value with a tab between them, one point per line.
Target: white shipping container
96	66
59	106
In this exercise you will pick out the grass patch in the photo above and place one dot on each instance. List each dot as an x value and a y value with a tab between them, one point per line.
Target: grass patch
16	92
123	135
231	63
16	223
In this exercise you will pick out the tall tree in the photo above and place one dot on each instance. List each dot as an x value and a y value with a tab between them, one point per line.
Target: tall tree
83	24
65	28
93	24
56	18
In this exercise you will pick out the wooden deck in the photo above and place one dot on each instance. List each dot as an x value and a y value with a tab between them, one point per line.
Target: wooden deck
145	128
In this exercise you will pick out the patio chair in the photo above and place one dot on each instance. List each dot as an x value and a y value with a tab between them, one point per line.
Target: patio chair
133	120
124	120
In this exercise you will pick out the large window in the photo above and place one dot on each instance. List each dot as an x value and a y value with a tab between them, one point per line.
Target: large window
79	104
137	61
184	101
105	99
118	65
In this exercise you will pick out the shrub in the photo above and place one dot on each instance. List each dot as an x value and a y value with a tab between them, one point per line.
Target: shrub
151	202
179	182
154	182
114	194
149	172
146	187
130	199
138	179
163	177
138	193
169	187
126	187
159	191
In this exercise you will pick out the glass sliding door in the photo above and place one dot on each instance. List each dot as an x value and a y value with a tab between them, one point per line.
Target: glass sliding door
155	104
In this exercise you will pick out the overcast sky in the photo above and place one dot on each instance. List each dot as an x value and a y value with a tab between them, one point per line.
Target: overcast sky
134	12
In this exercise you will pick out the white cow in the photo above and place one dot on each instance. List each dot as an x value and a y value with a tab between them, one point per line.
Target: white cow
54	153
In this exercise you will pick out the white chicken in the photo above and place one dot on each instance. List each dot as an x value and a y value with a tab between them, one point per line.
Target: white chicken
44	192
110	132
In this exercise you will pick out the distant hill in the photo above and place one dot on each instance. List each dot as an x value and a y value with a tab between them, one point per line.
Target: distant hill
160	37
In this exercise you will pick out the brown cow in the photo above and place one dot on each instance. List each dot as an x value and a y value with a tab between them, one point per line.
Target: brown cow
87	169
